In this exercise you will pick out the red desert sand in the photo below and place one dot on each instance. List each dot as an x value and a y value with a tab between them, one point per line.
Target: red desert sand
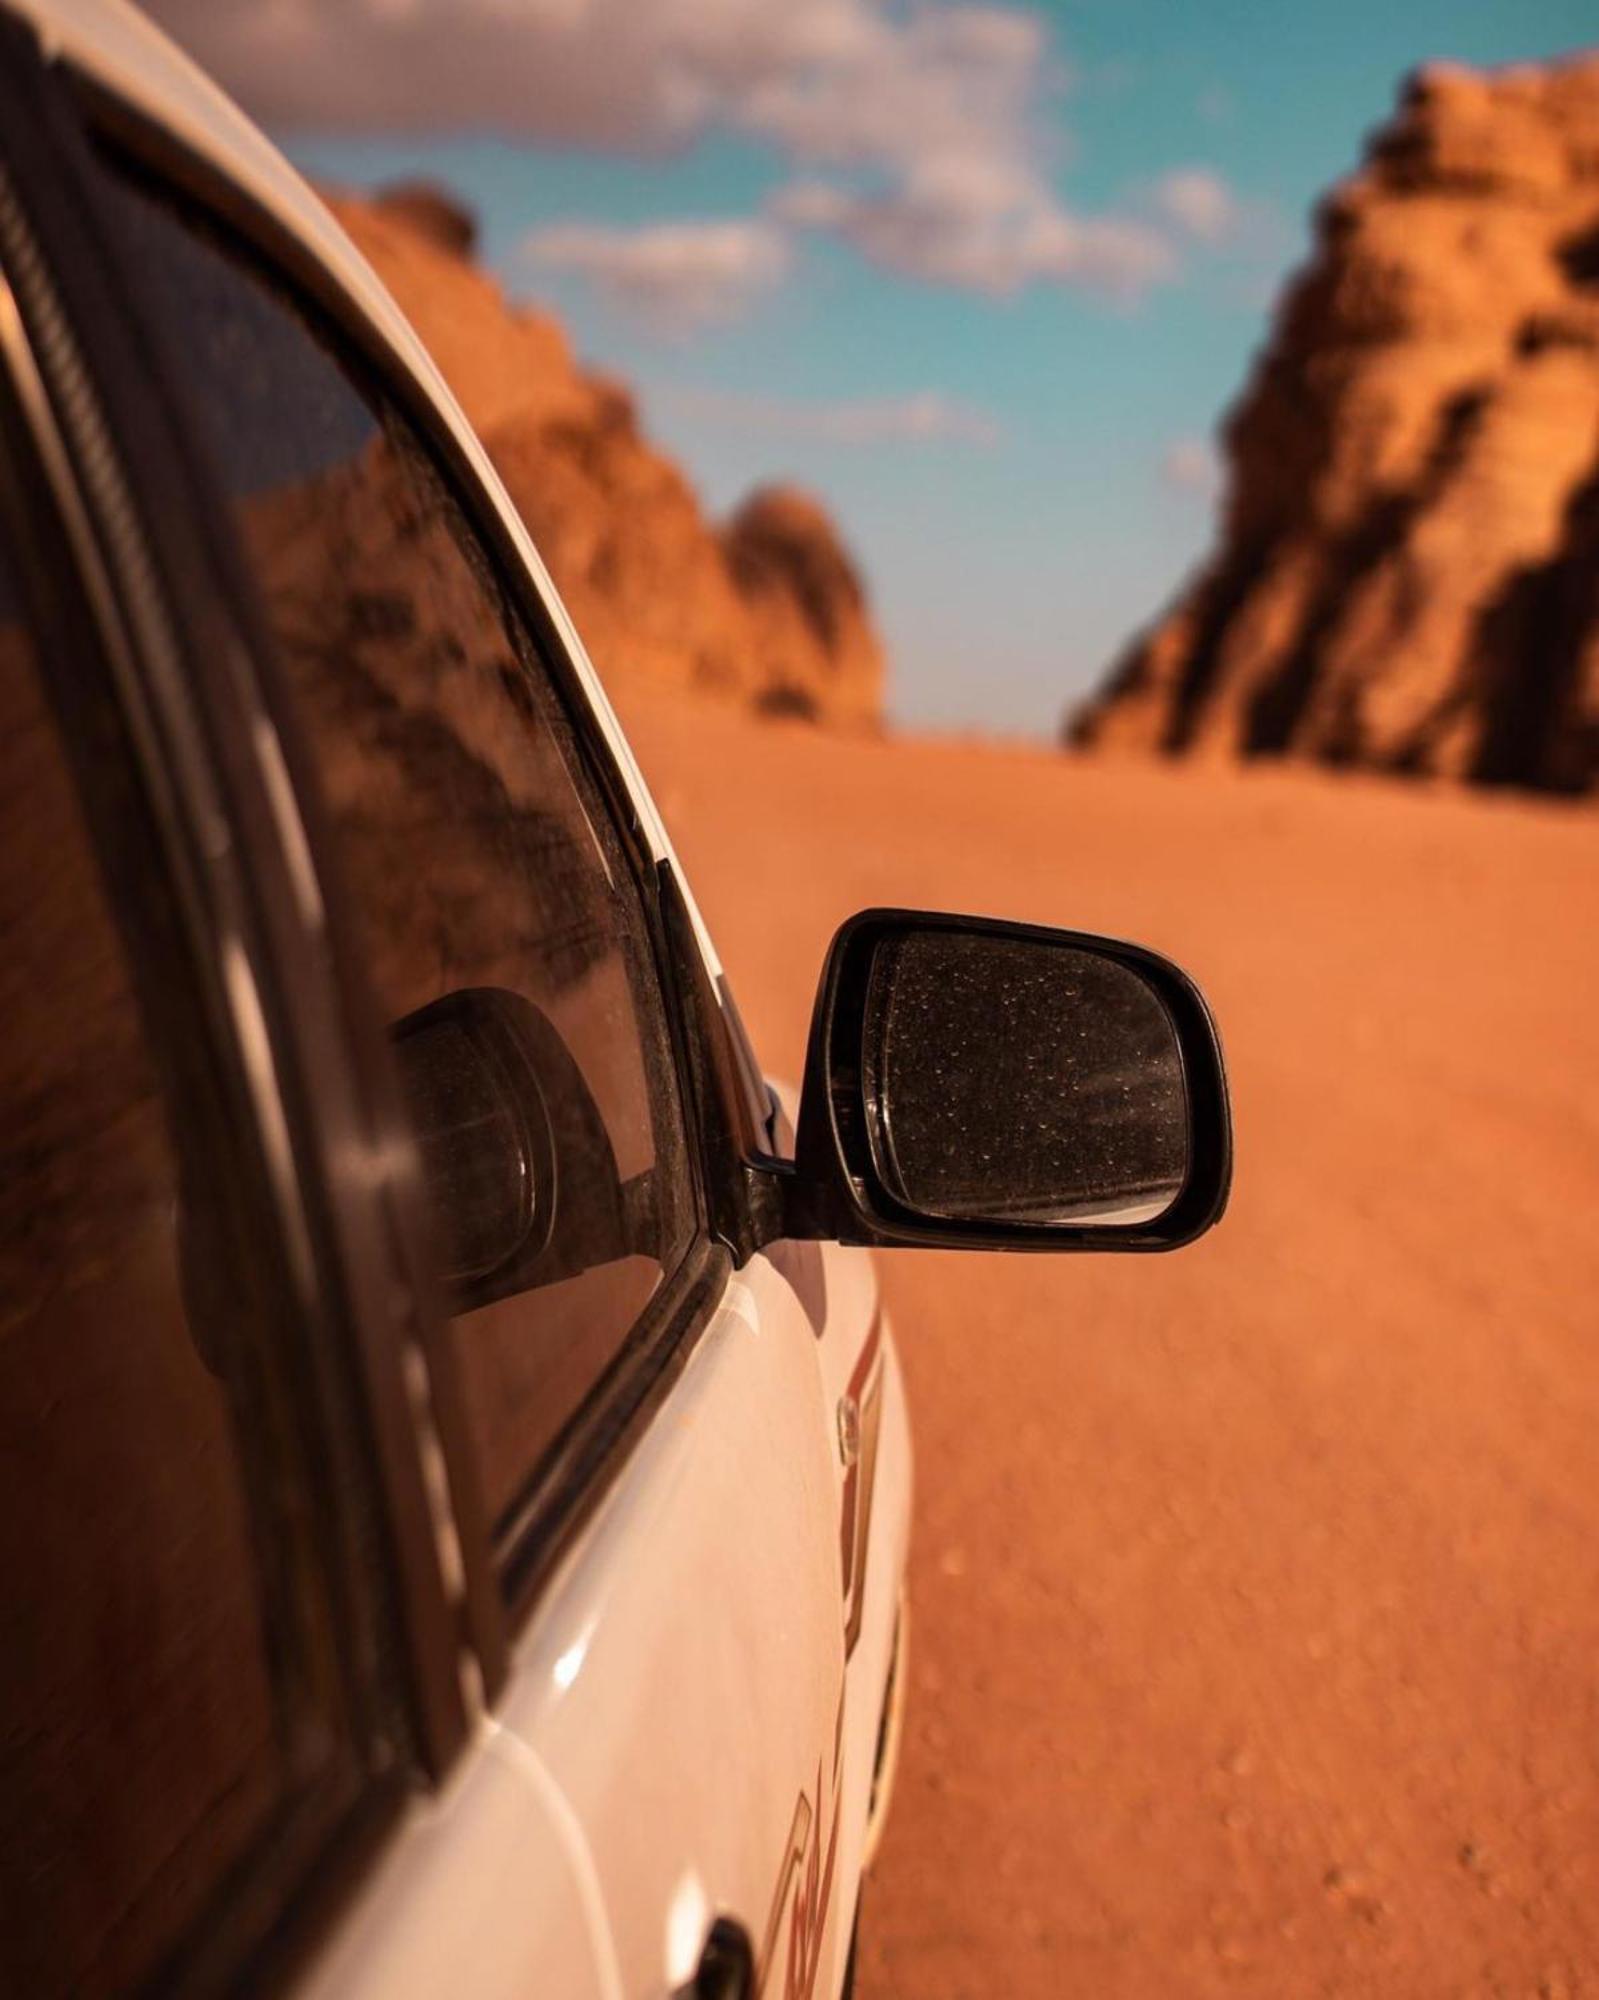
1255	1590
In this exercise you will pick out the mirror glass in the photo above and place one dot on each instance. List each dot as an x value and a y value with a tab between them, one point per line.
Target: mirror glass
1021	1080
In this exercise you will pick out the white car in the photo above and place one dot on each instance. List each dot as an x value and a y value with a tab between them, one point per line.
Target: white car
454	1469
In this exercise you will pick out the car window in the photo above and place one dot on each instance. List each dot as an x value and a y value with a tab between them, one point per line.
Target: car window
154	1720
500	924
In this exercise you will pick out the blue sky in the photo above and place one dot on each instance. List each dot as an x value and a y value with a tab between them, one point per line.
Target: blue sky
1012	444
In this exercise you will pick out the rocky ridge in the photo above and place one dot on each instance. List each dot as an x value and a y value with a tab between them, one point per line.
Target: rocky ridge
1407	575
766	609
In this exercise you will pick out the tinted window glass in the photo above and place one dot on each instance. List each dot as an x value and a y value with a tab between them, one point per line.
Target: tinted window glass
141	1745
482	872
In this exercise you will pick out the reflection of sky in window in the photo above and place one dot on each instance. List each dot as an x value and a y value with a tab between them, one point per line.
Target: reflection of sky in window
285	414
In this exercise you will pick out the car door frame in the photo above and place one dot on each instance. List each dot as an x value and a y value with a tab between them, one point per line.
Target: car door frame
151	672
716	1072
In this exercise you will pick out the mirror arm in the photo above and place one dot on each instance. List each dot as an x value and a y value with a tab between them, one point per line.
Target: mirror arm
783	1201
768	1187
728	1144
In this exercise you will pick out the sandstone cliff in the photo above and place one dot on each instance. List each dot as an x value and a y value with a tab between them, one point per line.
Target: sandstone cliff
767	610
1407	575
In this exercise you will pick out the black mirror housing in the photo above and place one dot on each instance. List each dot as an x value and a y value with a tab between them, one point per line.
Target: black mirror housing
976	1084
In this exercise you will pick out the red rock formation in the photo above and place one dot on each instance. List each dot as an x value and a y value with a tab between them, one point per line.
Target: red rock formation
434	212
1408	569
805	598
768	611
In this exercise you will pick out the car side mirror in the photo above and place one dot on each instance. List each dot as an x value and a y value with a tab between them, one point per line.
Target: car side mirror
517	1167
984	1084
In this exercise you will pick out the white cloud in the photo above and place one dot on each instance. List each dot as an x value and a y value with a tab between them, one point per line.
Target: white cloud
905	86
1199	201
976	224
677	275
820	78
928	417
1190	465
924	135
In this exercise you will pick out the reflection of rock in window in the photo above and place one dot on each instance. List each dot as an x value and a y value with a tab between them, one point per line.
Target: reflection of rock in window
473	848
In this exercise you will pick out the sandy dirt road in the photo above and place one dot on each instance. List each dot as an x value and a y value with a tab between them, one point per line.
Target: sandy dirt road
1256	1589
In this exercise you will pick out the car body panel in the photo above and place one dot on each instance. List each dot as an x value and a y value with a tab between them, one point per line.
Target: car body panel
669	1627
683	1679
486	1891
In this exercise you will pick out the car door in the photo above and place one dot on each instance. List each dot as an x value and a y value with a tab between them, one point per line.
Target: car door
241	1650
646	1462
225	1648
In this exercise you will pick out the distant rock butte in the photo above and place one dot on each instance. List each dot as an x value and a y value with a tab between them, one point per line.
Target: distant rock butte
1408	570
767	610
